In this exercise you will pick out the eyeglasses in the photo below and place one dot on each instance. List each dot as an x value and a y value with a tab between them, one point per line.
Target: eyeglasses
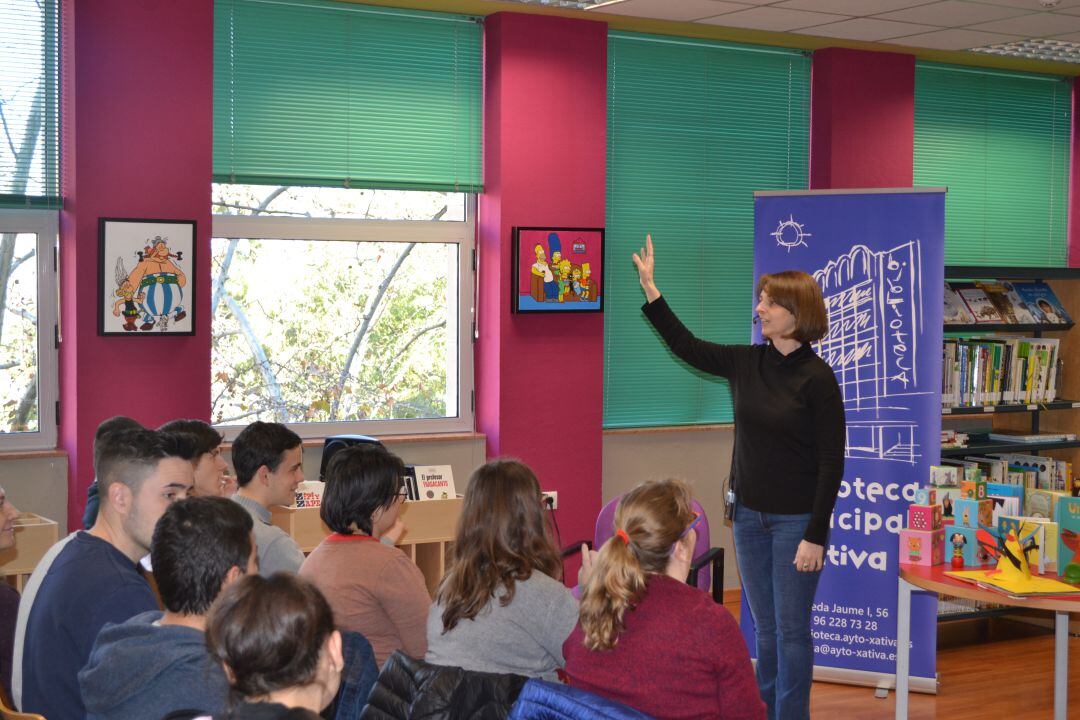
693	524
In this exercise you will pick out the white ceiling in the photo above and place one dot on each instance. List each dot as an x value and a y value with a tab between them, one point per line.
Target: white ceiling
935	24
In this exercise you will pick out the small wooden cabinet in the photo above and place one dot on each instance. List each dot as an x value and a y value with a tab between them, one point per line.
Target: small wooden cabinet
431	525
34	535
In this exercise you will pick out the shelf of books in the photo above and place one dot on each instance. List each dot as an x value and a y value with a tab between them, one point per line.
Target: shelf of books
991	446
1008	357
1010	407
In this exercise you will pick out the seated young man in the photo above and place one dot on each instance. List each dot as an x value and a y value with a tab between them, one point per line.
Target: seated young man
95	578
157	663
267	458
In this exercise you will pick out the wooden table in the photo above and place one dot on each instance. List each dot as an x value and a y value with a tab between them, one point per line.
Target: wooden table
922	577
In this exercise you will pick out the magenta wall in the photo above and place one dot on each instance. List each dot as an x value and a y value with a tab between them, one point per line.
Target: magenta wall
862	119
137	114
539	378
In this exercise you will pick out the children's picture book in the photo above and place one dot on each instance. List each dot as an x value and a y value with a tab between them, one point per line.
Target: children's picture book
999	296
1013	574
956	313
1068	515
1023	313
435	482
1041	300
978	304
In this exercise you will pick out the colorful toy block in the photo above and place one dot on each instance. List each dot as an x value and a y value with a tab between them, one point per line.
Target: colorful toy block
972	513
922	547
973	489
924	517
973	544
926	495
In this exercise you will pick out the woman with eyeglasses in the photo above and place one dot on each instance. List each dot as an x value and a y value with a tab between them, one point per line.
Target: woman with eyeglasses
645	638
372	586
502	607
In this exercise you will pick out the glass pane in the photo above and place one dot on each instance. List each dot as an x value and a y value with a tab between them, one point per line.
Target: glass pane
18	333
319	202
326	331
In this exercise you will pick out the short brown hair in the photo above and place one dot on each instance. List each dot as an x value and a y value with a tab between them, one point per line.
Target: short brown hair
800	295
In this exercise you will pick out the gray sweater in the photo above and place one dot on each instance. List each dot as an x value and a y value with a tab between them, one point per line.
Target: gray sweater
524	637
276	550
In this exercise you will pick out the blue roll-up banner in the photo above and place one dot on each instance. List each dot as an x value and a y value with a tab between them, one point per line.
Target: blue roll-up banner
878	256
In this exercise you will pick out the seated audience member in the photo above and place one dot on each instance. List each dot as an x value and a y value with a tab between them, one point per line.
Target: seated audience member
211	478
120	422
157	663
648	640
501	607
9	597
276	639
267	458
95	580
373	587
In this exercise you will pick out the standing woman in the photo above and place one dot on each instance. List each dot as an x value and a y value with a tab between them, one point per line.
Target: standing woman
786	468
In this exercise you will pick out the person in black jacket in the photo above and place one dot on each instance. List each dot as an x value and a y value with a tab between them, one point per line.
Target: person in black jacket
787	465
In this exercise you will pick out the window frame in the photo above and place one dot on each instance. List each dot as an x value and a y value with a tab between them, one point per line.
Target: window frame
45	225
460	233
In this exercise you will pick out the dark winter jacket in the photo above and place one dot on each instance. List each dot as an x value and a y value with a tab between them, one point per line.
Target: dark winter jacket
409	688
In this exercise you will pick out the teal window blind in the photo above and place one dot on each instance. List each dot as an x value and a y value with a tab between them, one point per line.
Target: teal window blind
29	116
1000	143
694	128
335	94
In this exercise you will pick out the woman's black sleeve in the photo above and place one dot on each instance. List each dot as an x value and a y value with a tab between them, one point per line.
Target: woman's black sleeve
710	357
830	434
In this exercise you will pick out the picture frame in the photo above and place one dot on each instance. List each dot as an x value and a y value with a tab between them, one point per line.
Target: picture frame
146	277
557	270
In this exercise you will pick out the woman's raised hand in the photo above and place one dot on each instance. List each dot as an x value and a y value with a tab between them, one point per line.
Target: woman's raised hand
645	261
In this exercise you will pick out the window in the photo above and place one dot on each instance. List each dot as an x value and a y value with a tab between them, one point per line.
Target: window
1000	142
29	129
27	329
694	128
332	307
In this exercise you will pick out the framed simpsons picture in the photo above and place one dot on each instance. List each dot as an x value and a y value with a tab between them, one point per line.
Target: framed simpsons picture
146	280
557	270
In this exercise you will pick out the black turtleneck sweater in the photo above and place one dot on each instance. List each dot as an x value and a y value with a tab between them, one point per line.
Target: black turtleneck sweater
789	421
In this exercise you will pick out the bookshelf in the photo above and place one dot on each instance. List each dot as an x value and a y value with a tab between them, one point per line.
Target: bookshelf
1060	415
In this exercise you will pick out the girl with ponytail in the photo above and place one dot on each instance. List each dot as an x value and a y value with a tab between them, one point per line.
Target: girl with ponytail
645	638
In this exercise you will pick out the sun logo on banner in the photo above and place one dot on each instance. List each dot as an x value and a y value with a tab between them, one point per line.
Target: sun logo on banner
789	234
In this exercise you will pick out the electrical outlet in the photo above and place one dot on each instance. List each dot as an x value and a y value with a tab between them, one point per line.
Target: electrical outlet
551	499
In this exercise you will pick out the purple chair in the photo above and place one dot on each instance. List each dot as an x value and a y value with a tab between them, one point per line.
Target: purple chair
707	568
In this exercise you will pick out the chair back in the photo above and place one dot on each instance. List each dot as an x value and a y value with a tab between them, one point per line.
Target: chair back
605	528
7	713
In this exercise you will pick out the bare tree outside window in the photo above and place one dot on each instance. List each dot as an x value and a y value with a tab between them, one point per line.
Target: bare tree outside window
310	331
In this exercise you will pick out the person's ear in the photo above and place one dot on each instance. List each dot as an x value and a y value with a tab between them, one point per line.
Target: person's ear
333	651
121	498
262	476
684	548
234	573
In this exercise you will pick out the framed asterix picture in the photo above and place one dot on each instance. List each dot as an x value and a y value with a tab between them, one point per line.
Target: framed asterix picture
557	270
146	277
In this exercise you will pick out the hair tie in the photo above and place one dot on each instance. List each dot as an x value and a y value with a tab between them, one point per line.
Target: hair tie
621	534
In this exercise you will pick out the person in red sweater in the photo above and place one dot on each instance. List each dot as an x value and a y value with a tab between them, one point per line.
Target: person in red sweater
644	637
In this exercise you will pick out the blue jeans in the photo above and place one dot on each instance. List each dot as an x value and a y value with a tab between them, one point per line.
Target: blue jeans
780	600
